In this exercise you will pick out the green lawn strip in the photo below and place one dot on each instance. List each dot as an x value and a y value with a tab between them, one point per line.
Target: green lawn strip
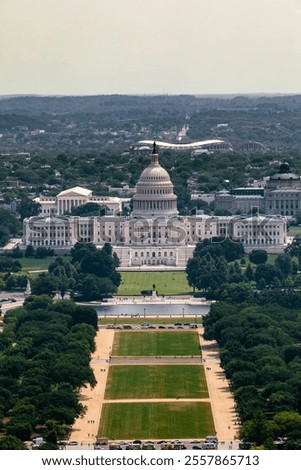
271	259
167	283
156	343
166	320
294	230
156	420
156	381
36	264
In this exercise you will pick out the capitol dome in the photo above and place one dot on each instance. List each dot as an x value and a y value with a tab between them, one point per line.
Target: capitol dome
154	192
285	173
154	173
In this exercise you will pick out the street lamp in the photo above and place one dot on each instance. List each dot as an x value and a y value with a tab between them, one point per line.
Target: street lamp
105	312
183	310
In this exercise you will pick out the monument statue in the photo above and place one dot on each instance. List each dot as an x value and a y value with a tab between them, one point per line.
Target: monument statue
154	293
28	288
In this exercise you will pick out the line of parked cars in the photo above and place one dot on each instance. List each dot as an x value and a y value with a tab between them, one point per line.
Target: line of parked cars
210	442
148	326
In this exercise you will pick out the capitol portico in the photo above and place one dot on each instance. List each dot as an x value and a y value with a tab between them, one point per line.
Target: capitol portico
154	234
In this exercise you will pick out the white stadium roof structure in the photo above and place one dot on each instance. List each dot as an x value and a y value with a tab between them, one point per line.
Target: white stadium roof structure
210	144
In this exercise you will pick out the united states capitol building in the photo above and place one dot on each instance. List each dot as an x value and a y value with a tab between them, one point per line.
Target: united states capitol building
154	233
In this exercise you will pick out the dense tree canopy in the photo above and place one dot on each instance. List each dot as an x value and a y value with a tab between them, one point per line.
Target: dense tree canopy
90	274
89	209
258	256
261	355
45	353
10	226
9	265
213	271
28	208
209	268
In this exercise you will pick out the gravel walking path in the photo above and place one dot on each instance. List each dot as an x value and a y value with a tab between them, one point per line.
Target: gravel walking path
222	401
85	429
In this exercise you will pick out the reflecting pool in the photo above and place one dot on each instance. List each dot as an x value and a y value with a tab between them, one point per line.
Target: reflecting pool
152	309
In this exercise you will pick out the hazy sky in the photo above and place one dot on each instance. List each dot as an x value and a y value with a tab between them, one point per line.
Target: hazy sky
150	46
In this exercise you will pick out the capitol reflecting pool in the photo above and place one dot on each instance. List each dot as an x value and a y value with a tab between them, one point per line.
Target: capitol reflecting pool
148	309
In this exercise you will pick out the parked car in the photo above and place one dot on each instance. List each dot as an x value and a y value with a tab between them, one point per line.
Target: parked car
37	442
211	439
210	445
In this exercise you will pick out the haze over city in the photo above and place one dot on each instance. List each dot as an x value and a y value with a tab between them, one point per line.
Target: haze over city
158	47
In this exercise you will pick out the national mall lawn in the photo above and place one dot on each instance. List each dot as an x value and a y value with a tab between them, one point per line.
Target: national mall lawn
134	383
166	282
167	421
156	381
156	343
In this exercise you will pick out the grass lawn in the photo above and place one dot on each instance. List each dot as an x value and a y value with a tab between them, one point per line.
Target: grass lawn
156	381
36	264
156	420
271	258
166	320
294	230
167	283
156	343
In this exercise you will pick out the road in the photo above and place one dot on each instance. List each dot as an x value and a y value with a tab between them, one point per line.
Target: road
5	306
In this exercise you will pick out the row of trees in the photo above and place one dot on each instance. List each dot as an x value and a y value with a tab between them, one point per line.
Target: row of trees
207	269
261	356
214	271
90	274
257	323
45	353
9	265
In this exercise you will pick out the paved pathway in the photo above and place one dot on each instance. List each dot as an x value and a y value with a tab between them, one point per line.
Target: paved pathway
158	400
85	429
133	361
222	401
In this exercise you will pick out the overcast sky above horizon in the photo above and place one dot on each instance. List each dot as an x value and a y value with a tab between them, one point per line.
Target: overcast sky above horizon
150	47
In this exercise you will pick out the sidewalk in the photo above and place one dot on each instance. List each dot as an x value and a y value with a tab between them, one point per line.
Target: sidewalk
222	401
85	429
